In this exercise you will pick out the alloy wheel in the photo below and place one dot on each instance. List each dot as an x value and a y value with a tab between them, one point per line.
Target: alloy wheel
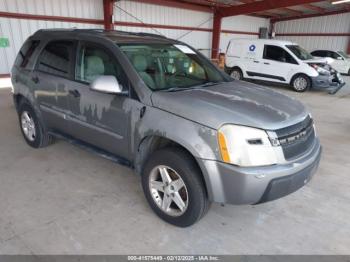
28	126
168	190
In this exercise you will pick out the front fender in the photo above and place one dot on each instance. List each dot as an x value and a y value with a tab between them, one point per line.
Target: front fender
199	140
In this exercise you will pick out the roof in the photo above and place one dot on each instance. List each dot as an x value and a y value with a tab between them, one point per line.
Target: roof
114	35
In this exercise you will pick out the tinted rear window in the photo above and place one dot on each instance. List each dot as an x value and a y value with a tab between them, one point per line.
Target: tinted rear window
56	58
26	52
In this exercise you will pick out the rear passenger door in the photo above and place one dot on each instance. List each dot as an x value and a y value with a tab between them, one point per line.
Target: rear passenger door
51	78
100	119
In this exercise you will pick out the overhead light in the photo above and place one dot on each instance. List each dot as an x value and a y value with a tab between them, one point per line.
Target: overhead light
340	2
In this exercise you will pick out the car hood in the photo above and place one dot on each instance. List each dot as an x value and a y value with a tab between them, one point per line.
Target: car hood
319	60
233	102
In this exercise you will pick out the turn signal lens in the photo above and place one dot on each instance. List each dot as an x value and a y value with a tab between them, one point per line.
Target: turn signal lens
223	148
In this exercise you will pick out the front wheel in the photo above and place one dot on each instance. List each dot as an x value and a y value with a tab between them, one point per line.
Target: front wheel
174	188
301	83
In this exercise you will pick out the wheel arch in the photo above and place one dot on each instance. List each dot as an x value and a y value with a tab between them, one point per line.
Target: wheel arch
152	143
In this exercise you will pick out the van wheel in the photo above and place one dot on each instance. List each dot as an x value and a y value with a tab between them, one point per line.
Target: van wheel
173	187
236	73
301	83
32	130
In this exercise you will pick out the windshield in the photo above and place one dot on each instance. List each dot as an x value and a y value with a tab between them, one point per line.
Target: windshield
343	54
301	53
171	66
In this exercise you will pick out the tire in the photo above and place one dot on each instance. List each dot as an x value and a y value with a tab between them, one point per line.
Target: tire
301	83
32	129
178	164
236	73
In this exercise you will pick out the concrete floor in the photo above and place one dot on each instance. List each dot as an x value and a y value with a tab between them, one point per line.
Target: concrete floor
63	200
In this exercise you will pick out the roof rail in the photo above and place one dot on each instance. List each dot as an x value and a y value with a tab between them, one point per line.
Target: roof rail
96	30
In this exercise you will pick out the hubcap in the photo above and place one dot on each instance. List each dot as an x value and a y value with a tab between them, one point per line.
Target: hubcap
28	126
300	83
168	190
236	75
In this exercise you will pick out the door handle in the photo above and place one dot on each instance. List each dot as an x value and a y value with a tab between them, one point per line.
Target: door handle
35	79
74	93
266	63
255	61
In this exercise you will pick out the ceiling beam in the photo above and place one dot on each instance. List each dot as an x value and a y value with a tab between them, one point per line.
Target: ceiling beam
291	11
314	8
264	5
274	20
177	4
269	14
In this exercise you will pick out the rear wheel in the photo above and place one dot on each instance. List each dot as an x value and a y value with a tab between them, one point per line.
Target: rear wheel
301	83
236	73
33	131
173	187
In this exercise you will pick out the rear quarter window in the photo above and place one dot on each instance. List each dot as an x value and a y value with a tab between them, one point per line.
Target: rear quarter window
26	53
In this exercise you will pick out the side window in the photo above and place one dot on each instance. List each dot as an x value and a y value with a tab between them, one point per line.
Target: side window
56	59
323	54
277	53
318	53
334	55
94	61
26	53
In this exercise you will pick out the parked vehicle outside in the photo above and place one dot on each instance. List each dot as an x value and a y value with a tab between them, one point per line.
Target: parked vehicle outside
281	62
192	133
341	61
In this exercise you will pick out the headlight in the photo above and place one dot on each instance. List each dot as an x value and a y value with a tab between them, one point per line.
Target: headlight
245	146
320	70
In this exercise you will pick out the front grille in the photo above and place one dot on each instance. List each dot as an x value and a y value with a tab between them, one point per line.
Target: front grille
295	140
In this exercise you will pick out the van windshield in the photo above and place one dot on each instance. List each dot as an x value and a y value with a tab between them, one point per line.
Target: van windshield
172	66
301	53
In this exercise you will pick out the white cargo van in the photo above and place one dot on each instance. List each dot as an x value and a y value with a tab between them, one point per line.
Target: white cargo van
281	62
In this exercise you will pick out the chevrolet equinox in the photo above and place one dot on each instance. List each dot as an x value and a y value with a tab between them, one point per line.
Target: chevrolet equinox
194	134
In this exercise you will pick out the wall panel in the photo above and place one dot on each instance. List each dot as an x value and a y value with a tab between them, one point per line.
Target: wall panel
331	24
18	30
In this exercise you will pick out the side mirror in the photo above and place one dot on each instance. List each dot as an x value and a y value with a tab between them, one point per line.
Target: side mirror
106	84
339	58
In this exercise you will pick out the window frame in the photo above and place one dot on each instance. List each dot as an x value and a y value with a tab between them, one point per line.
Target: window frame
83	43
71	58
295	62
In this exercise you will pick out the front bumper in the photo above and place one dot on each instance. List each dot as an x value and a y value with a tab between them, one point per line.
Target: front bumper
333	82
252	185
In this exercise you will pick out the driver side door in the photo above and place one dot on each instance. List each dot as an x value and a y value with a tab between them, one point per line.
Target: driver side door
98	118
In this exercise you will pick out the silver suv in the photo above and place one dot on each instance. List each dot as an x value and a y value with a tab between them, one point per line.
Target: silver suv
155	104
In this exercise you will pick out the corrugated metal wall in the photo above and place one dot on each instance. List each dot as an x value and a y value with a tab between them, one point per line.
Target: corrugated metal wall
323	24
18	30
154	14
241	23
